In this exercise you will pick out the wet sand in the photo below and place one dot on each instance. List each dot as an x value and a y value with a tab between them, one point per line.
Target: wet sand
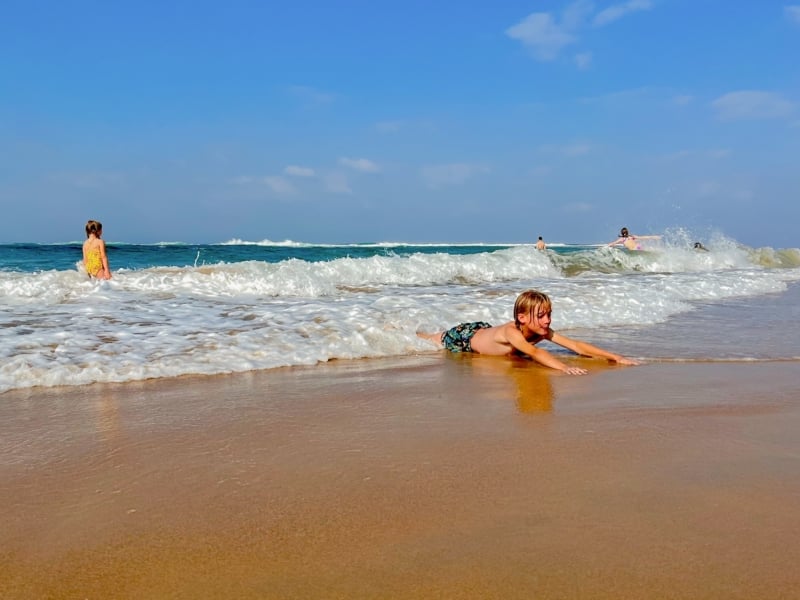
434	477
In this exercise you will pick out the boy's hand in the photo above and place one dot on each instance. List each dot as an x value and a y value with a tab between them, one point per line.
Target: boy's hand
627	361
575	371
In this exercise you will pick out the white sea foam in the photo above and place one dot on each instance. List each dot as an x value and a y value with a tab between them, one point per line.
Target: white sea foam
60	328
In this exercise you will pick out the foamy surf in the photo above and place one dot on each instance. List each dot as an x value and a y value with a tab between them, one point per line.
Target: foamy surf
239	307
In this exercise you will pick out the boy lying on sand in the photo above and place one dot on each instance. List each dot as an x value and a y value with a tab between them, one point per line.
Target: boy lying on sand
531	325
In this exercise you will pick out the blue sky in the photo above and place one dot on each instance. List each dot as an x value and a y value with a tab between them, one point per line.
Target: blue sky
359	121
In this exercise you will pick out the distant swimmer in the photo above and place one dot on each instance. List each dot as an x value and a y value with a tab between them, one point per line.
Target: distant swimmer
531	325
540	245
94	252
699	246
630	241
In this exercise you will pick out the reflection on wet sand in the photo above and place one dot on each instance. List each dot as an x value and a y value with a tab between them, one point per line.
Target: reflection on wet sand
529	384
106	412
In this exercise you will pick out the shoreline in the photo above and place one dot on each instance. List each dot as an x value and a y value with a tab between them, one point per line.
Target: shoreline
434	476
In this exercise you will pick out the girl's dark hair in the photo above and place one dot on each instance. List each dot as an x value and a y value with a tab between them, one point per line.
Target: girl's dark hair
93	227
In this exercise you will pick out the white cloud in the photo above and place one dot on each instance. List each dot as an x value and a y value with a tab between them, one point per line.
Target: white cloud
622	96
541	170
299	171
752	104
617	11
388	126
576	149
576	14
583	60
278	184
359	164
546	37
453	174
89	179
792	12
311	96
705	189
577	207
680	154
540	33
716	154
336	182
719	153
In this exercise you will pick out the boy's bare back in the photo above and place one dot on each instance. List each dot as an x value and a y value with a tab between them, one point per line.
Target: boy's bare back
493	340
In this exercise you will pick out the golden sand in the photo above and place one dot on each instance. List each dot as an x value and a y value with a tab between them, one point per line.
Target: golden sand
438	477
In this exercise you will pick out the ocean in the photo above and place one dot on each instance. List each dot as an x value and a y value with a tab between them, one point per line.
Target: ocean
174	309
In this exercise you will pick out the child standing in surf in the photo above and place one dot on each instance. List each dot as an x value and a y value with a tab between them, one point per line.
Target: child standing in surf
531	325
94	252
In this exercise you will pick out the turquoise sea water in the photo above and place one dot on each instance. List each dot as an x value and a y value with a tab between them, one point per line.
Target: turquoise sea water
37	257
174	309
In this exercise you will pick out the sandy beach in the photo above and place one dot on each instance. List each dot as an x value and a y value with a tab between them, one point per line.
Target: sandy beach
440	476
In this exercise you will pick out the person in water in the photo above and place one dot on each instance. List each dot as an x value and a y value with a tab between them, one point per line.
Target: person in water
531	325
94	252
631	242
699	246
540	245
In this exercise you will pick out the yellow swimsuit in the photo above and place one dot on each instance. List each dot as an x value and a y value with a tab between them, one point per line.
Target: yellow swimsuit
93	262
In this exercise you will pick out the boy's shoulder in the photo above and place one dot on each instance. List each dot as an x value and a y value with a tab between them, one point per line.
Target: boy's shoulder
505	328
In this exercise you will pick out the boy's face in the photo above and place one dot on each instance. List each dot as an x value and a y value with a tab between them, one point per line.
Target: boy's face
538	319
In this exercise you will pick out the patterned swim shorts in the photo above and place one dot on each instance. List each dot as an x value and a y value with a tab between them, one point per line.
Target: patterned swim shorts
459	338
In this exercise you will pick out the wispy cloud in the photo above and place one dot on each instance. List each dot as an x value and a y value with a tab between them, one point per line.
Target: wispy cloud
296	171
453	174
89	179
541	170
359	164
546	36
706	189
620	96
583	60
752	104
542	35
311	96
792	13
576	149
336	182
388	126
617	11
575	15
641	96
277	184
719	153
577	207
571	150
715	154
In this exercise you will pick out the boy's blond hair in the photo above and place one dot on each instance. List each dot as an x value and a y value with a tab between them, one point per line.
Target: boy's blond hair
529	301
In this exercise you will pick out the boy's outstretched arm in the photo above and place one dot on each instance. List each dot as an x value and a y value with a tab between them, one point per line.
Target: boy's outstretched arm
587	349
543	357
